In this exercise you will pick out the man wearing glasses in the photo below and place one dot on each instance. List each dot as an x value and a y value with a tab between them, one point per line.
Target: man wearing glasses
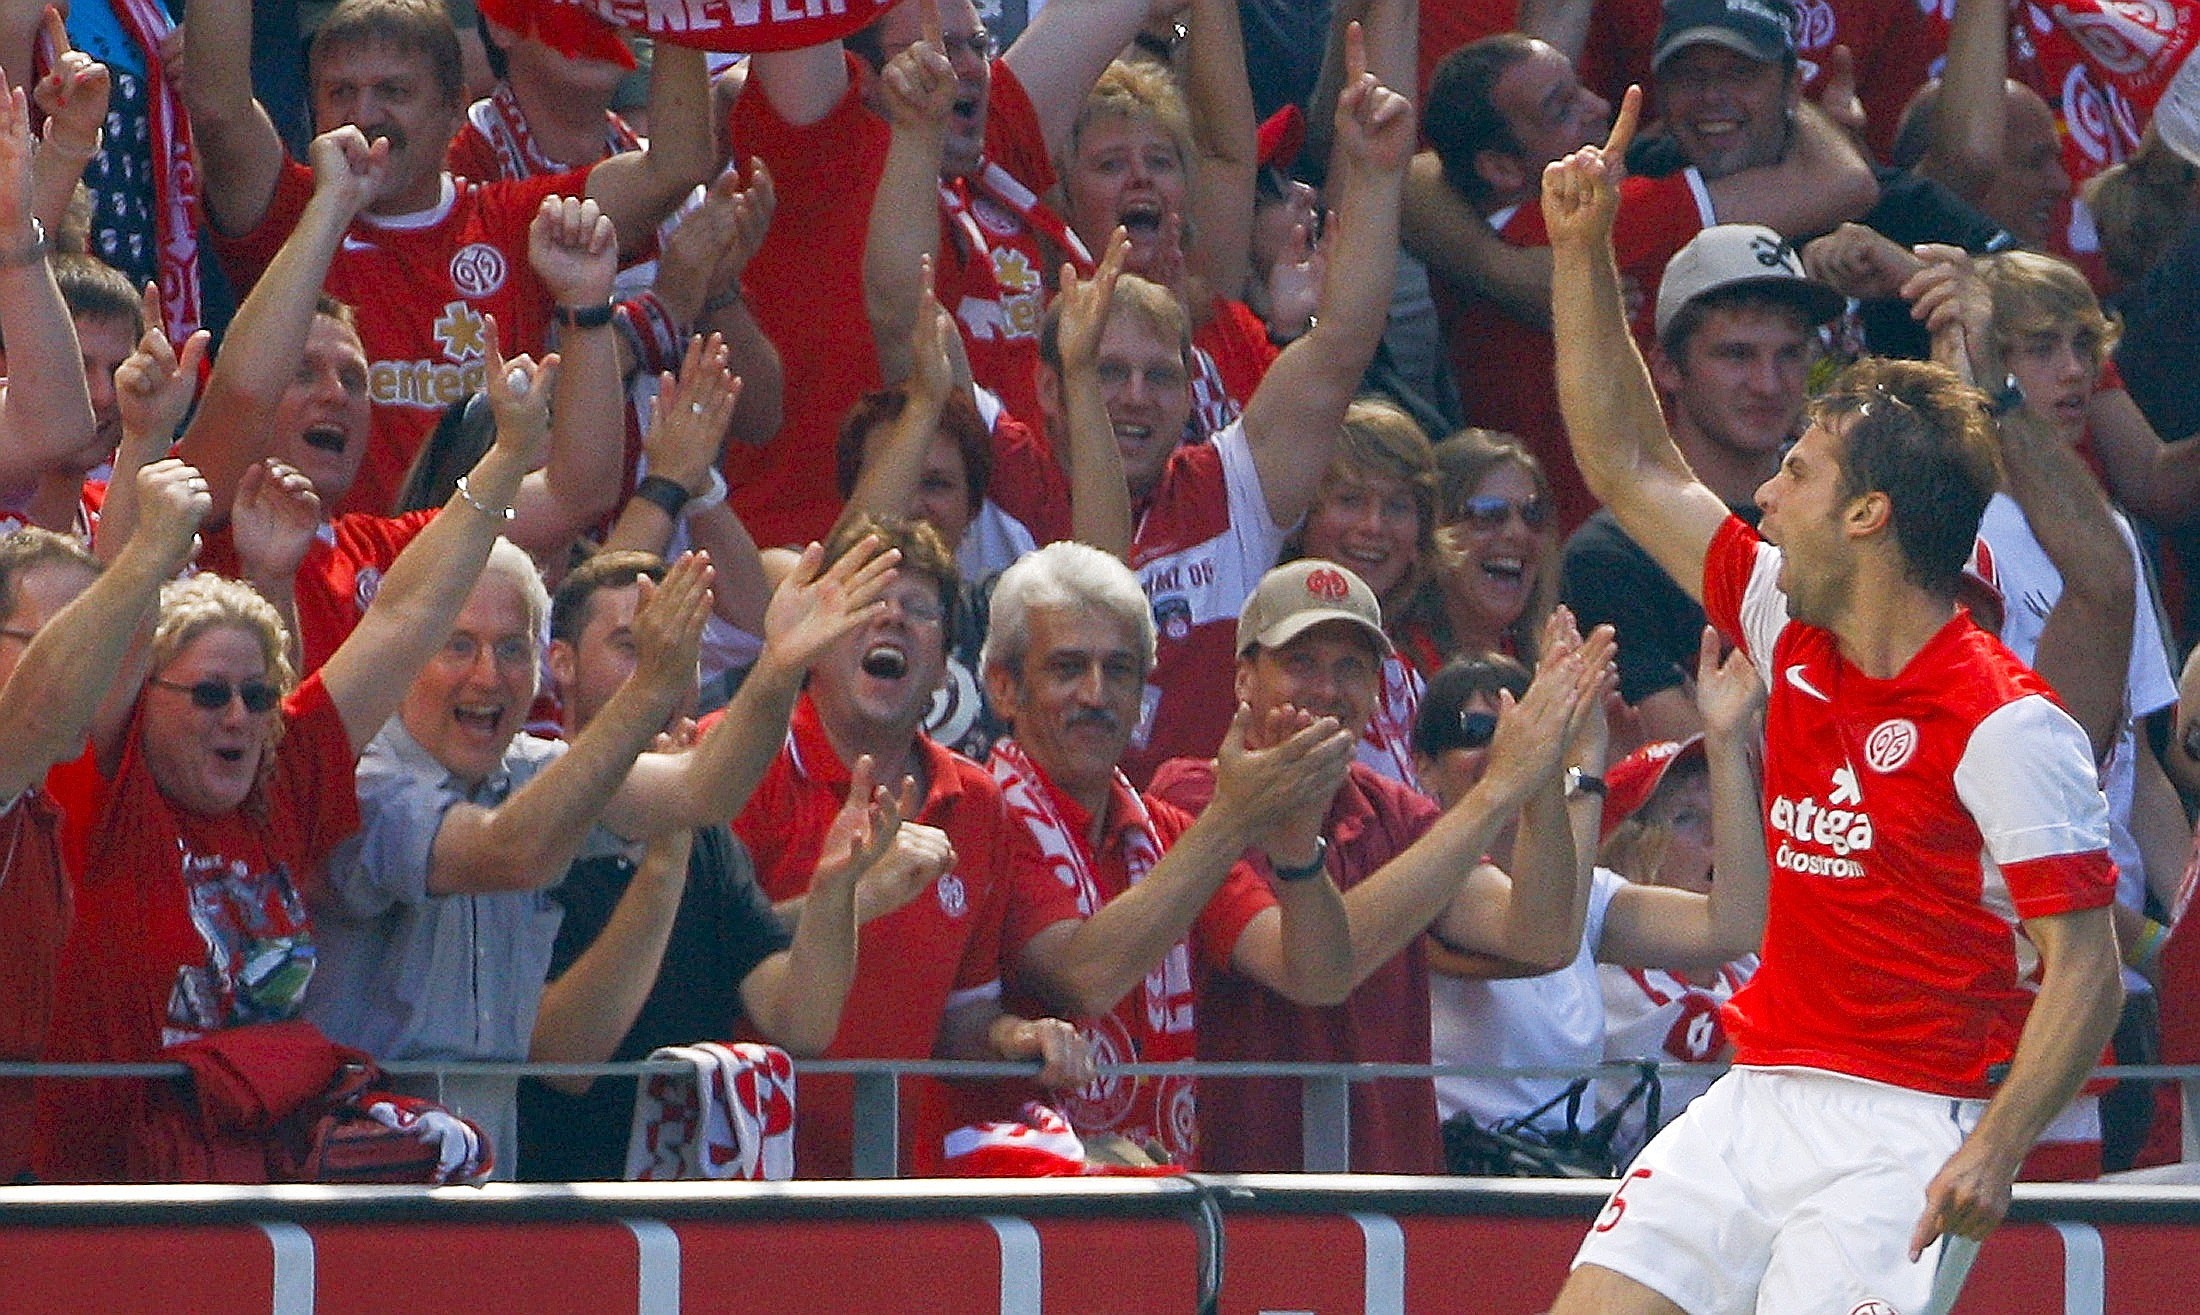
1737	326
435	923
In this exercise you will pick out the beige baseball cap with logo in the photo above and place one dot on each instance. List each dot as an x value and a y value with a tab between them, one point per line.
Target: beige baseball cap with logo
1297	596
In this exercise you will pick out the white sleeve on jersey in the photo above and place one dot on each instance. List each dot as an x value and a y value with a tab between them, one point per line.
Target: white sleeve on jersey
1764	610
2027	778
1259	538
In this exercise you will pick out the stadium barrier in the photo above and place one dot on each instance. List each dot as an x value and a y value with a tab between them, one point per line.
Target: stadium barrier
1317	1244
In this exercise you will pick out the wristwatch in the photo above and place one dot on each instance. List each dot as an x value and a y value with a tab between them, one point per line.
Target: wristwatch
584	317
1579	782
1313	868
2010	397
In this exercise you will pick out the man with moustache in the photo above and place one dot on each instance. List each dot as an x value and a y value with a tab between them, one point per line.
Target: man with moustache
1144	899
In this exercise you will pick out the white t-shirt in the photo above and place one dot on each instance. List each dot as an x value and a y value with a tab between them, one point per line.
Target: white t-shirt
1523	1022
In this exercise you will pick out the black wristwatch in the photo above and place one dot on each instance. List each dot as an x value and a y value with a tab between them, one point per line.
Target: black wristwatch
669	496
2009	398
1314	867
1579	782
584	317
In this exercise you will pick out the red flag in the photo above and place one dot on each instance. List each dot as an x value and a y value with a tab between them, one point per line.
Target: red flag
737	25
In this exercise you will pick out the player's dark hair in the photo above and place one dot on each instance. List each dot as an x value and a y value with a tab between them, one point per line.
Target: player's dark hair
1915	432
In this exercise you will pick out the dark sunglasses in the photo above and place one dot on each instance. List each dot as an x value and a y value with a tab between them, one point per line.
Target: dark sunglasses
1469	730
214	695
1488	512
1476	729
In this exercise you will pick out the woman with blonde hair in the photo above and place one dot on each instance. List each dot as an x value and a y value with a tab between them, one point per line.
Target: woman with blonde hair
1376	514
210	799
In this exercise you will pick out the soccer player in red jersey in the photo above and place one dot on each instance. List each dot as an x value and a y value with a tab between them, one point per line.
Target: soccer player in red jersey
1940	881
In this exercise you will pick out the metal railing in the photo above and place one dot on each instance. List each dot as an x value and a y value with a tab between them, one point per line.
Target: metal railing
1325	1100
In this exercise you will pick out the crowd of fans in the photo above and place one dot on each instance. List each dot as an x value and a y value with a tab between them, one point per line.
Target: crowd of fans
1025	532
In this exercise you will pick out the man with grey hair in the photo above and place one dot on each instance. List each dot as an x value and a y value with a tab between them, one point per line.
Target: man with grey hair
435	923
1141	886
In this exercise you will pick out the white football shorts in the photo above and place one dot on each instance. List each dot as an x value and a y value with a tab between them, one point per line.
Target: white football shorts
1784	1192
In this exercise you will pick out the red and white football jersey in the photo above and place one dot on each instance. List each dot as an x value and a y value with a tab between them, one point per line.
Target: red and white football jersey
1912	822
421	286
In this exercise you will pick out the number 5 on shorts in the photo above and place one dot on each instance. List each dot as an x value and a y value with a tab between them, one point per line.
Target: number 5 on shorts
1608	1218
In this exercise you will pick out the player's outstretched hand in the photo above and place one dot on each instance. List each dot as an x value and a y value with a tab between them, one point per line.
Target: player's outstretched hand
1581	192
1967	1198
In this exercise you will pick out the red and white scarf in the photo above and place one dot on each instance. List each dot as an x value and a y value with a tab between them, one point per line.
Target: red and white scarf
1031	801
175	172
732	1116
995	185
499	119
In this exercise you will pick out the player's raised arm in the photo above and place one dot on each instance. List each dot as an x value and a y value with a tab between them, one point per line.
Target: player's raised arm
1618	432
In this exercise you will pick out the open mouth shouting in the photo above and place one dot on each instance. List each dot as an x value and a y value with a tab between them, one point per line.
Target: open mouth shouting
885	660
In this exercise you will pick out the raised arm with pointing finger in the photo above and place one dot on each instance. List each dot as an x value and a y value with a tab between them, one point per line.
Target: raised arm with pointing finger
1617	429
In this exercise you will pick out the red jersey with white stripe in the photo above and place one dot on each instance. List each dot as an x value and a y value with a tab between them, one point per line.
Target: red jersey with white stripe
1203	540
421	285
1913	822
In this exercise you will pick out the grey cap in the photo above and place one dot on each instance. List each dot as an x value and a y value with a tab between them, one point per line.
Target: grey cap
1761	29
1297	596
1741	255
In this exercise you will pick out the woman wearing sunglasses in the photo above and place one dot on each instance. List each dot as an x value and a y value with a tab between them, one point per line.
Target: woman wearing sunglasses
1490	1012
208	800
1376	514
1495	558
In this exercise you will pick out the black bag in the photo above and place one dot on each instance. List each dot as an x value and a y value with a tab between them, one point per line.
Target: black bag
1518	1148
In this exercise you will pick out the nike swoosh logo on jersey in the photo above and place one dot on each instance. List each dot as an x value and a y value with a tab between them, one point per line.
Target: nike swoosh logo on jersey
354	244
1795	678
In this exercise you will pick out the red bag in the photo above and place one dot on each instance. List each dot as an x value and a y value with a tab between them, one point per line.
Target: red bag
279	1102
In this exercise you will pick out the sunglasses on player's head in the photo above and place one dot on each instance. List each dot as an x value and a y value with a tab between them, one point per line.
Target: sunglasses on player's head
1489	512
214	695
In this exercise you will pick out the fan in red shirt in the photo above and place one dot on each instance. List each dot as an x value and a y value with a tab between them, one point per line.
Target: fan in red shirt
1927	800
928	972
1143	899
428	256
1503	108
292	383
813	116
65	629
1311	637
1210	517
207	803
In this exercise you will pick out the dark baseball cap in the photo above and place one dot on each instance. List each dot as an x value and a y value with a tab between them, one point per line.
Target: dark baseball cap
1760	29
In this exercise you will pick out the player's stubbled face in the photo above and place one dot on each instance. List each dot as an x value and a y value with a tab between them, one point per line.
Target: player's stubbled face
1802	506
